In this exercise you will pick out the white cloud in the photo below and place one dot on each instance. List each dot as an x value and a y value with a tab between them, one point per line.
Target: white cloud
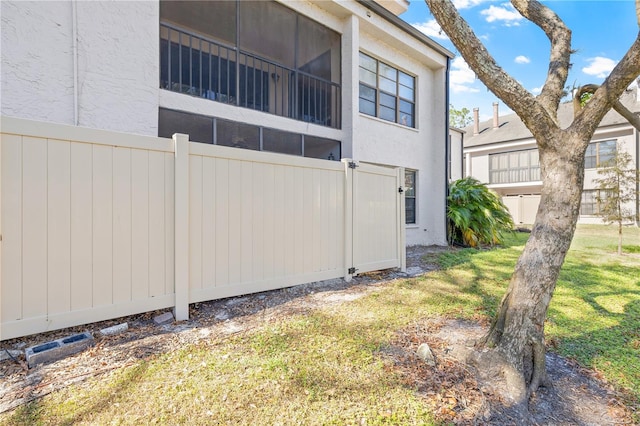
466	4
522	60
536	90
599	66
461	77
505	13
432	29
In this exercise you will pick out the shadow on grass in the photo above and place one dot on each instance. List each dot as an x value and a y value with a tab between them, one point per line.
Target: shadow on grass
613	351
34	412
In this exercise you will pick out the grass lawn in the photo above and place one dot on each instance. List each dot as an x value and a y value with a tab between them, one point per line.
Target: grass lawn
326	368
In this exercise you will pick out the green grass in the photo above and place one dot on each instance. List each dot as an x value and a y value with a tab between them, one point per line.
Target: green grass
325	367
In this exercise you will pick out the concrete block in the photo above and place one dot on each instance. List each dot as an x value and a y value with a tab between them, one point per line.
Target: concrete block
58	349
163	318
116	329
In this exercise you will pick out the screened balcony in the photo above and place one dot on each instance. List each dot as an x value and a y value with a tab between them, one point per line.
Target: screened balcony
263	75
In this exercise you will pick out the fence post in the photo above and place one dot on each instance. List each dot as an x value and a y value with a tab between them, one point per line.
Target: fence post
181	226
348	219
402	233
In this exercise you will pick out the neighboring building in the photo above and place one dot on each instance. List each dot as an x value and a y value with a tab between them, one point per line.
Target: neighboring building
324	79
456	154
503	153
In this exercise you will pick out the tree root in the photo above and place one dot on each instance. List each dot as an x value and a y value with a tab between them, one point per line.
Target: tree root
539	376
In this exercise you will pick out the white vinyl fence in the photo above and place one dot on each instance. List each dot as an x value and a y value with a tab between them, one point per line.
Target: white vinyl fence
523	208
97	225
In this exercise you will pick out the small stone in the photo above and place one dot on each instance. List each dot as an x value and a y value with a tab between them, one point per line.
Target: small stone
116	329
222	315
414	271
6	354
424	353
163	318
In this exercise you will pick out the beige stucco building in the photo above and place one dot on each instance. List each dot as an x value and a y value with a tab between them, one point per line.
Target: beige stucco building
322	79
503	153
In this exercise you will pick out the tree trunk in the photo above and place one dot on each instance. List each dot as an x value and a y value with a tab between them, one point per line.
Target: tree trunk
620	238
516	337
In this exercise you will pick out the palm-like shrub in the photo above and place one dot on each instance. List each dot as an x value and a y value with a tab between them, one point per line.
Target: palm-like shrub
476	214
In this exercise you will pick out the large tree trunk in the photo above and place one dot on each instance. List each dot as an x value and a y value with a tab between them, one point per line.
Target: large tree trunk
515	342
516	337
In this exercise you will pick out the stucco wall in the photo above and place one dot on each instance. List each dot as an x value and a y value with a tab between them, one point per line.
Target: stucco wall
106	80
37	61
422	148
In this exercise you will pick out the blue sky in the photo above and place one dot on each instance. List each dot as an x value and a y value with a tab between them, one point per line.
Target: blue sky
602	32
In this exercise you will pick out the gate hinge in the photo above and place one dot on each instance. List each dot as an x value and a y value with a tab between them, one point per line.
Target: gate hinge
352	270
400	190
352	164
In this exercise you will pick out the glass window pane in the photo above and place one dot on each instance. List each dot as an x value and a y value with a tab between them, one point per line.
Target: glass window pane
238	135
387	114
590	156
406	93
326	149
406	113
388	72
368	77
387	100
410	196
367	107
282	142
407	80
409	182
410	210
367	93
607	152
367	62
198	127
387	85
406	107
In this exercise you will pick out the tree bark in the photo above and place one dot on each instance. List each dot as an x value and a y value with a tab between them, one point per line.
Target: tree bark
517	332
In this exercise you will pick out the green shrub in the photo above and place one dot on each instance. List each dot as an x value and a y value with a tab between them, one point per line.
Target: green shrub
476	214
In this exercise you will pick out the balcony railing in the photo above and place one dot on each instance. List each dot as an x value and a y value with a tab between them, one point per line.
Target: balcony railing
195	65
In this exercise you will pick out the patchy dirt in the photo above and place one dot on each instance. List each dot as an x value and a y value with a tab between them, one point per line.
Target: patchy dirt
451	388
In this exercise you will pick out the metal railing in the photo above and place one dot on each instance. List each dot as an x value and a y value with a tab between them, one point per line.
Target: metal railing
198	66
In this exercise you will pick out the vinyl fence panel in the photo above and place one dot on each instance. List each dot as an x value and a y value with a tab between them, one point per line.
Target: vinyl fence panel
97	225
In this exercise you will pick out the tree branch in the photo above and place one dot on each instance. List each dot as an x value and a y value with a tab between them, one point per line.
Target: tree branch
559	59
536	117
626	113
608	94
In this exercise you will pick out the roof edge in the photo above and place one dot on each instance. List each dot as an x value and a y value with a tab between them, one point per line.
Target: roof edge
404	26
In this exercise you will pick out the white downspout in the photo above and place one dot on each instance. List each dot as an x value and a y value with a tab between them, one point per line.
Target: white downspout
74	26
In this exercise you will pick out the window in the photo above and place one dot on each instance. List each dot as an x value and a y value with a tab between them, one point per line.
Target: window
598	153
592	199
217	131
386	92
410	196
517	166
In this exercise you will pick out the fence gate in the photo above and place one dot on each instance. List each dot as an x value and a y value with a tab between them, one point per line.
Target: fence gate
378	218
